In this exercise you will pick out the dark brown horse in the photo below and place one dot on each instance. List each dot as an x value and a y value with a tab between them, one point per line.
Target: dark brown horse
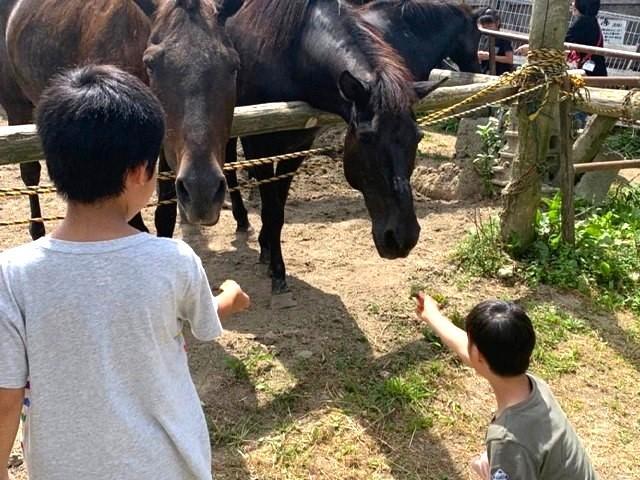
424	32
324	53
178	46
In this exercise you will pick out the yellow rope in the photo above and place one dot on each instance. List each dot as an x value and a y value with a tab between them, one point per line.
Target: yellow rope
264	161
544	67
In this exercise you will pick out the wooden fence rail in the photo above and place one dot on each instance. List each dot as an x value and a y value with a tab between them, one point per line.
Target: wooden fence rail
20	144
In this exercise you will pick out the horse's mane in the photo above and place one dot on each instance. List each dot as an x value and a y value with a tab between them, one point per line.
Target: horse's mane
201	9
277	23
422	12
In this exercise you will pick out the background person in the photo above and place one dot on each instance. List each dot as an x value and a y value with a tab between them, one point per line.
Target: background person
504	49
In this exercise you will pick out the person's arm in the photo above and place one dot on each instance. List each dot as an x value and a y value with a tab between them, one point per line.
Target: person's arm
512	459
231	299
455	338
578	31
505	52
197	305
10	408
506	58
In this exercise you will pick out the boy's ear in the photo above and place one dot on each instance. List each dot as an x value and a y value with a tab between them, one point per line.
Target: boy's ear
138	175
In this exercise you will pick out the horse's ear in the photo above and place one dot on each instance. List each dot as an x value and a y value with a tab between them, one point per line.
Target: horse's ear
423	89
228	8
149	7
353	90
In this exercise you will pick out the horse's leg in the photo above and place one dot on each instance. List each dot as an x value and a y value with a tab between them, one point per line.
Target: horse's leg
274	196
237	205
138	223
165	215
21	114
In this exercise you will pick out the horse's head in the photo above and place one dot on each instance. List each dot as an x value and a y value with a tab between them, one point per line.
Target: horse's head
192	68
379	157
464	48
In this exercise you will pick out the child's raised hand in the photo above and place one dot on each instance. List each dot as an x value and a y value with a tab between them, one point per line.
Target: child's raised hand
239	299
426	307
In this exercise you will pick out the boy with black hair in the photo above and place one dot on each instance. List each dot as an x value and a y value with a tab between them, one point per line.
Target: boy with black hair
504	49
91	317
529	437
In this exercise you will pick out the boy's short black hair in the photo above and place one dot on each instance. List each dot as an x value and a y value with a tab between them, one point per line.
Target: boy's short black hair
97	123
588	7
503	334
488	17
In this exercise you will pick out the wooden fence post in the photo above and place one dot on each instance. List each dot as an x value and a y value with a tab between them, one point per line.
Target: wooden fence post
567	175
549	22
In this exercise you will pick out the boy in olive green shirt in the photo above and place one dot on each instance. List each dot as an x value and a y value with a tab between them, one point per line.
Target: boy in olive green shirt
529	437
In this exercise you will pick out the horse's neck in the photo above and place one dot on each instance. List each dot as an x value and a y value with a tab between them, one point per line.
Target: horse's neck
327	49
421	43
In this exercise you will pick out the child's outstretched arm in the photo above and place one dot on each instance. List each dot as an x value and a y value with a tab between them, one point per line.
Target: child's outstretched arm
455	338
10	407
232	299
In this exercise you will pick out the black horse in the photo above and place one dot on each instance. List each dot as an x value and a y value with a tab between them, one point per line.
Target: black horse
324	53
425	32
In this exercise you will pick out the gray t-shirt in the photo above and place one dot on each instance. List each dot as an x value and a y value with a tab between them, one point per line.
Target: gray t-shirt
535	441
95	328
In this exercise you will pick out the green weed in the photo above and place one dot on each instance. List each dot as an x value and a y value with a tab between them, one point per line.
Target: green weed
553	327
604	263
625	141
482	252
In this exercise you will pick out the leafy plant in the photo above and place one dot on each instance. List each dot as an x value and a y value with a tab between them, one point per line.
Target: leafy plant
492	142
482	252
626	141
604	263
449	126
606	258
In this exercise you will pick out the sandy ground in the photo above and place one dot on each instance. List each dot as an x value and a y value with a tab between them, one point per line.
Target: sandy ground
290	414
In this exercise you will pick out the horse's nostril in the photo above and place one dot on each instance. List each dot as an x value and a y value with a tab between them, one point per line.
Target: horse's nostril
220	191
182	192
390	240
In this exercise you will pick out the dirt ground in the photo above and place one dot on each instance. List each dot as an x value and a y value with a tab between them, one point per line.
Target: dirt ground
347	385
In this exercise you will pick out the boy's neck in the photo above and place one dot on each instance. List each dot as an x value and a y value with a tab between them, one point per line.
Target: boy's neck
510	391
106	220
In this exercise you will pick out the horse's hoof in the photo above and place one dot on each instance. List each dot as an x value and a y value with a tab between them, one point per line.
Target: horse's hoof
246	230
36	230
265	257
226	205
282	301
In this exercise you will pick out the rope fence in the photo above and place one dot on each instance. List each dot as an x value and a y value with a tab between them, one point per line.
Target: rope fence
545	68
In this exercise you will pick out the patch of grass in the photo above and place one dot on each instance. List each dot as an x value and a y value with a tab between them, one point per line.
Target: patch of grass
405	391
237	367
482	252
450	126
625	141
553	327
604	263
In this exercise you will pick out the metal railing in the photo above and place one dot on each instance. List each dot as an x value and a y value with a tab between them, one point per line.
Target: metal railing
622	32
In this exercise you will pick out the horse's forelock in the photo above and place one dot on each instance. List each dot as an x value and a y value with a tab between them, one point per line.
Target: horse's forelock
393	90
206	9
189	5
